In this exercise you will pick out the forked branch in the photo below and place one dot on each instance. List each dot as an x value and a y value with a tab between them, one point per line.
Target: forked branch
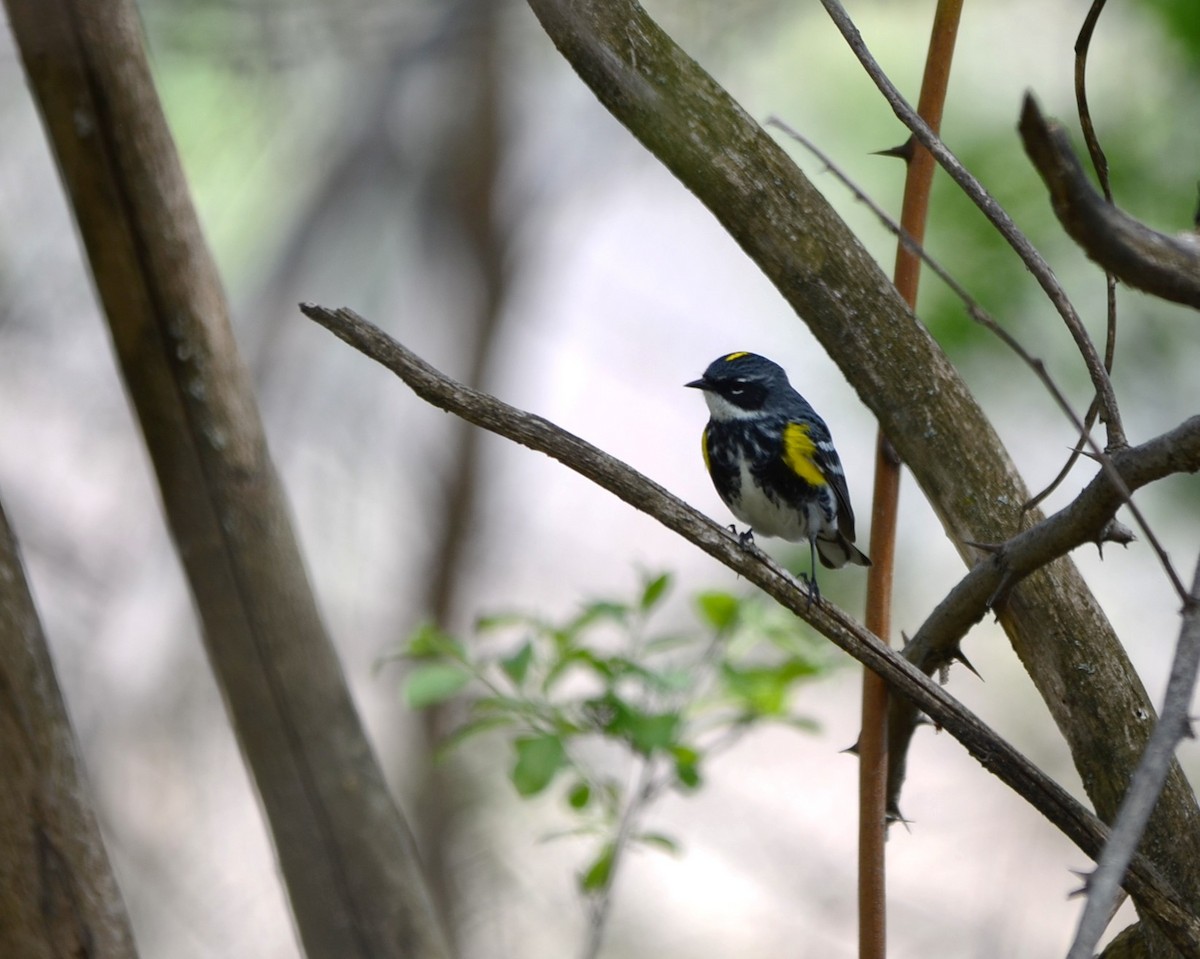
997	756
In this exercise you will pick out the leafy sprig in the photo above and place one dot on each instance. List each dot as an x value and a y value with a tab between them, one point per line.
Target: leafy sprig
668	700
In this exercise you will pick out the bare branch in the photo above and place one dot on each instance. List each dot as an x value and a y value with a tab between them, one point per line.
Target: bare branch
991	751
1104	885
974	310
60	896
345	853
1165	266
1085	520
1100	162
1082	44
996	214
988	322
784	225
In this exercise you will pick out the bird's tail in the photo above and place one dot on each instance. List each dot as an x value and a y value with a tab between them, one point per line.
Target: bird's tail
836	551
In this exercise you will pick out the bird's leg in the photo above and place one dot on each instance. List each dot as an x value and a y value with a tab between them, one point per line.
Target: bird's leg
814	591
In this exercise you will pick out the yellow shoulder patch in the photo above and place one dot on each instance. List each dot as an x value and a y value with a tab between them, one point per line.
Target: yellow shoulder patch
798	449
704	449
735	356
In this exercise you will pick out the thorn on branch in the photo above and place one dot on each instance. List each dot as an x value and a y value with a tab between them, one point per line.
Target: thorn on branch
902	152
958	656
1114	531
893	815
1085	877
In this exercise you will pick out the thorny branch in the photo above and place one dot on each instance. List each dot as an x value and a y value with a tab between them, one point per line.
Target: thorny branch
1103	886
996	214
1084	520
1142	880
988	322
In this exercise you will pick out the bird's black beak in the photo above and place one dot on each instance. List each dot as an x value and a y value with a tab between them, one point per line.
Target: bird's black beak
700	384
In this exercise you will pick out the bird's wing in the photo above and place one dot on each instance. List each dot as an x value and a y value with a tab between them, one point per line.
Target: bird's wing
808	452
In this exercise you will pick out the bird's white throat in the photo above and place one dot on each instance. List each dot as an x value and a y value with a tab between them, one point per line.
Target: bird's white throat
722	410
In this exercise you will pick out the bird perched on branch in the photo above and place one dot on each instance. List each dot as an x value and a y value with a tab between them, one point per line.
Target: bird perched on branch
773	463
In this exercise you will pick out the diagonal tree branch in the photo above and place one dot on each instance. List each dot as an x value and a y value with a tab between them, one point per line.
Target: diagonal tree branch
1104	884
345	852
706	139
1162	265
996	215
997	756
1082	521
58	894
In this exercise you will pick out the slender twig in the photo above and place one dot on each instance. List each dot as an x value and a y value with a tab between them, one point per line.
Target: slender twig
1081	521
1089	420
703	137
1142	879
1100	163
601	903
995	213
873	738
1083	43
985	319
1104	885
974	309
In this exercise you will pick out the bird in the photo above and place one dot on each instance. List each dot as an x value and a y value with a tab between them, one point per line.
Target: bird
773	462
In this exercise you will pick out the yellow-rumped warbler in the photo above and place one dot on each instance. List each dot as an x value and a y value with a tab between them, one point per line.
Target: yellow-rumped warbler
772	460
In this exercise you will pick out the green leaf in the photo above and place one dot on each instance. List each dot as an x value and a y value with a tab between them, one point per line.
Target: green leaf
539	758
661	841
653	592
646	732
653	732
516	666
580	795
512	705
601	609
688	776
434	683
669	641
719	610
804	723
497	621
429	642
763	690
467	730
687	766
599	874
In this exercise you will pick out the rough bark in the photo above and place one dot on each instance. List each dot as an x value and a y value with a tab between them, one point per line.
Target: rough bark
58	895
345	852
1055	624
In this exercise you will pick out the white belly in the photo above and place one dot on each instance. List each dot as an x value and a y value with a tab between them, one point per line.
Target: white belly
770	518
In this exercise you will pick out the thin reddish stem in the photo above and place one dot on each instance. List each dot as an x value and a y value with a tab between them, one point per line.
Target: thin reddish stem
872	743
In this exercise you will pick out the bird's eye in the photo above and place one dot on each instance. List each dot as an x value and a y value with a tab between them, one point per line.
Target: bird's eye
737	390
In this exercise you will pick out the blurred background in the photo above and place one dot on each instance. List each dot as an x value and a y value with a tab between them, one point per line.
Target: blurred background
437	167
